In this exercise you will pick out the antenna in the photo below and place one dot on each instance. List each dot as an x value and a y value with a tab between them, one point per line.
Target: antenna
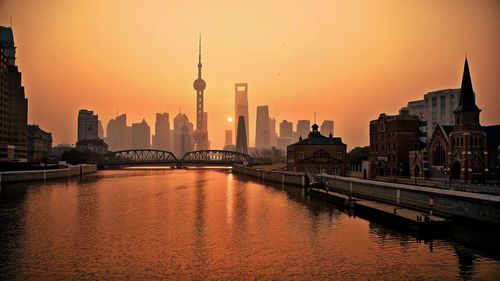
314	117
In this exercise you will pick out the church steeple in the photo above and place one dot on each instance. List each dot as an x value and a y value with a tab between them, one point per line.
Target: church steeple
467	100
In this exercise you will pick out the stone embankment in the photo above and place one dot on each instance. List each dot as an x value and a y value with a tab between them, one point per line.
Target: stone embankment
33	175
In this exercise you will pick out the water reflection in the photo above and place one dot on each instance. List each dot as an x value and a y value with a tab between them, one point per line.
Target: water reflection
208	224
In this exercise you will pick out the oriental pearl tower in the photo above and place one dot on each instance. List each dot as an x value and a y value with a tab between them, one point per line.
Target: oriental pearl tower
200	135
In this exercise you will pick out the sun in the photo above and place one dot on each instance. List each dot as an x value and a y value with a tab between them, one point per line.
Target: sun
229	119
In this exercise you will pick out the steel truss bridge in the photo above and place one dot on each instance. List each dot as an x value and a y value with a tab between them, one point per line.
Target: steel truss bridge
143	157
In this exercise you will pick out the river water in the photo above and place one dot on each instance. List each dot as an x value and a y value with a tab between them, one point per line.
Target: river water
207	224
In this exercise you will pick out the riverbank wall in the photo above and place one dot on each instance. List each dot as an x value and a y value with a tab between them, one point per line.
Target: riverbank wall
34	175
450	203
283	177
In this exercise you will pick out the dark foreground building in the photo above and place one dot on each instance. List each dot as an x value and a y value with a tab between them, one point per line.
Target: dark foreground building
13	103
39	144
318	154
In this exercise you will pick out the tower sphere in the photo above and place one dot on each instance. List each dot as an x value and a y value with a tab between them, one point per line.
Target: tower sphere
199	84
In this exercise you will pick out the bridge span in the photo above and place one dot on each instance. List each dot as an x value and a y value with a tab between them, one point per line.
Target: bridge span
145	157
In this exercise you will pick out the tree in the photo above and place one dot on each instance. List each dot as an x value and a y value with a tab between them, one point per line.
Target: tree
357	155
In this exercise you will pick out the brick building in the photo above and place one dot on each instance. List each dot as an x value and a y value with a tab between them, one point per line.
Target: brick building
318	153
391	138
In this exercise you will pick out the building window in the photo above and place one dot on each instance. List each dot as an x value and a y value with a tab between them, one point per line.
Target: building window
438	155
339	155
301	155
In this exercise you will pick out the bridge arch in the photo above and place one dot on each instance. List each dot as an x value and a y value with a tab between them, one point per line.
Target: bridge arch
142	156
215	157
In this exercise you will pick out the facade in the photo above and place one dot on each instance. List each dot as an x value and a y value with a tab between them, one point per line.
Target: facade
183	135
318	154
95	145
87	125
13	103
465	151
241	136
100	130
439	108
274	135
161	137
391	138
417	108
39	144
303	128
241	107
141	135
286	134
327	127
118	134
262	131
200	135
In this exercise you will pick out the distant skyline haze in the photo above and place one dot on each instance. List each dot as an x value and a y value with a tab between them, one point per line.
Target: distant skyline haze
347	61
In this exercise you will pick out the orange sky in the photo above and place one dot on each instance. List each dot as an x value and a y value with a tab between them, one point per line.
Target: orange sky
346	60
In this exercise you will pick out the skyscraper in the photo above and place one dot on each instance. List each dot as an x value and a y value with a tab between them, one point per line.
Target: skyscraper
118	134
200	135
274	135
241	106
286	133
141	135
13	105
262	131
161	137
228	138
100	130
241	136
303	128
87	125
327	127
183	134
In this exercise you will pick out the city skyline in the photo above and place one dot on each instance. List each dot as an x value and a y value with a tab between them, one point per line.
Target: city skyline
281	69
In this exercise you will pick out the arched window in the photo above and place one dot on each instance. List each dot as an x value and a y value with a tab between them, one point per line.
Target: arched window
438	155
452	141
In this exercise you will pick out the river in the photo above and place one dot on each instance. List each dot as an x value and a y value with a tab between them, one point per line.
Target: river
209	224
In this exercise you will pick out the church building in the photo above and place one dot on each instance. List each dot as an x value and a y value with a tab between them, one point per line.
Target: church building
466	151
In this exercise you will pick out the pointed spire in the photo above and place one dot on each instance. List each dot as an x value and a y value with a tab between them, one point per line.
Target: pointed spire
467	101
199	50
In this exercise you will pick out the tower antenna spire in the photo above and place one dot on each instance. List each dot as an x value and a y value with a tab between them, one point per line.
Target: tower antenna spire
199	49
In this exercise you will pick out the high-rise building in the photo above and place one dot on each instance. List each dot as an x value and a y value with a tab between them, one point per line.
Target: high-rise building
100	130
118	134
303	128
14	105
228	138
439	108
241	136
87	125
326	128
241	106
274	135
262	131
161	137
183	135
200	135
286	134
141	135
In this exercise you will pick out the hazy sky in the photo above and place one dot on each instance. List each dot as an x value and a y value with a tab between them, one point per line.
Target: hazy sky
346	60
